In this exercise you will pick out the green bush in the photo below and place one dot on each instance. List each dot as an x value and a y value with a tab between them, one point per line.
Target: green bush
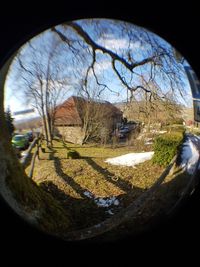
73	154
178	128
166	146
177	121
175	128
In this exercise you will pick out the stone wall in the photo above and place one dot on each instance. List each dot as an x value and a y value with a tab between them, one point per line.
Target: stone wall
71	134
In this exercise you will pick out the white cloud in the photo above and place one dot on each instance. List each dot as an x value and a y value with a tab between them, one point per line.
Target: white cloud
118	43
100	67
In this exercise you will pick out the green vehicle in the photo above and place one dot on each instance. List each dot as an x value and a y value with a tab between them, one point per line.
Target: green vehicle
20	141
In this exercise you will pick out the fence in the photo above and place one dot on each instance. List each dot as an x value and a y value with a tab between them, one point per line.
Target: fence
36	142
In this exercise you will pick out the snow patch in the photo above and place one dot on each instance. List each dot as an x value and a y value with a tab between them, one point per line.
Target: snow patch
116	202
88	194
102	202
130	159
106	202
148	141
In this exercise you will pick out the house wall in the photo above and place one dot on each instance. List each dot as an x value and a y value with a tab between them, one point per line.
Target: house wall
71	134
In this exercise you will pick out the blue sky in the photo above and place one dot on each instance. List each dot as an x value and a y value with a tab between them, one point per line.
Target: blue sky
14	97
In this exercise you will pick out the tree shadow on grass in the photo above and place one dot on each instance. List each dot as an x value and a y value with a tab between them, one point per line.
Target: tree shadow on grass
131	192
159	210
83	212
110	177
47	155
84	146
67	179
126	186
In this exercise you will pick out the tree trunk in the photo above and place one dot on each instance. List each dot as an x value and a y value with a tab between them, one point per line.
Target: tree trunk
148	122
22	194
47	106
48	126
45	128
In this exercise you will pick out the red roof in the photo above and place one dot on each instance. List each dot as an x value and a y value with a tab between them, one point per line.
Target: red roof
67	113
71	112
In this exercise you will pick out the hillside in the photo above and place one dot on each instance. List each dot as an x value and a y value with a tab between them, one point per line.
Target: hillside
32	123
136	111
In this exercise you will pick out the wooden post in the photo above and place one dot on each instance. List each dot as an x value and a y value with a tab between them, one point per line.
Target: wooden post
24	160
38	147
32	164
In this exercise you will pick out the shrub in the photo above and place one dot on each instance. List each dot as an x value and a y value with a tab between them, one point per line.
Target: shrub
166	147
175	128
73	154
177	121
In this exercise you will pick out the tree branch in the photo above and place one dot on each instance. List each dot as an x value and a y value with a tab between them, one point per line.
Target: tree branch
96	46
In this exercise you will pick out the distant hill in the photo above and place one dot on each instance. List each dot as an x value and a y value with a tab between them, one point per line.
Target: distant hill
24	120
120	105
186	113
31	123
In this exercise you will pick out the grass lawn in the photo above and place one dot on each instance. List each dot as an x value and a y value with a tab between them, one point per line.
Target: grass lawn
92	190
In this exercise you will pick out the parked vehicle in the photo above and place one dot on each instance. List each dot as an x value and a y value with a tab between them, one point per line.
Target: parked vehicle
118	134
20	141
29	136
124	130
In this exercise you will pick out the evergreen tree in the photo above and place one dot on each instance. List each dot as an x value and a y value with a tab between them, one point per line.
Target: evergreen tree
9	121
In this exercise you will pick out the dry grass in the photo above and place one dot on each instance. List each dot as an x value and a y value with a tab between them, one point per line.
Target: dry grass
91	171
67	180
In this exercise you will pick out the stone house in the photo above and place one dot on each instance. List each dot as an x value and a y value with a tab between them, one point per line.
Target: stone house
78	119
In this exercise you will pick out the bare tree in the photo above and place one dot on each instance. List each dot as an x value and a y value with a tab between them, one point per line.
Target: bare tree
42	80
153	109
22	194
97	114
87	49
153	58
84	52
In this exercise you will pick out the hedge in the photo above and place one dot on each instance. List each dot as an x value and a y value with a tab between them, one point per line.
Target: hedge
175	128
166	147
